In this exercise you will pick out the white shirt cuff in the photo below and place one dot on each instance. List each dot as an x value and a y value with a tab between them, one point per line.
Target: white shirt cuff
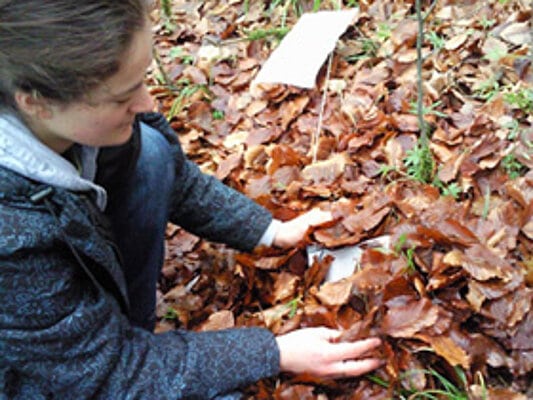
268	237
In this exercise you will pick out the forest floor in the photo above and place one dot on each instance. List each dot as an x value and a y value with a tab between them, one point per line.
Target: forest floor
452	294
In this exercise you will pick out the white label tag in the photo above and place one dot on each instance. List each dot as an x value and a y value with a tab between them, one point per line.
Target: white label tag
301	53
346	259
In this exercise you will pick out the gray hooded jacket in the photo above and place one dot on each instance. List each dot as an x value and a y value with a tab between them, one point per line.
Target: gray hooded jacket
62	337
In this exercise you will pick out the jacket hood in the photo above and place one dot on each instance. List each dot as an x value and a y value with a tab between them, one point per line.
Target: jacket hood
23	153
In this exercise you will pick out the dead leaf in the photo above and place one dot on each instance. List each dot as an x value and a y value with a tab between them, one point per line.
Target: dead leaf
220	320
227	165
445	347
326	171
285	286
517	33
335	293
406	319
456	41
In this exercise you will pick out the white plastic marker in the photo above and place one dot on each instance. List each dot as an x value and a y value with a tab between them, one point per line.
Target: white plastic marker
301	53
346	259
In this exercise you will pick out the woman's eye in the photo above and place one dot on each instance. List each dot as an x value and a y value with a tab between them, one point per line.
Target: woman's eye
122	101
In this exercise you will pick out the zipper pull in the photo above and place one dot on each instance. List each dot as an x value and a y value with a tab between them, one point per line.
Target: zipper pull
41	195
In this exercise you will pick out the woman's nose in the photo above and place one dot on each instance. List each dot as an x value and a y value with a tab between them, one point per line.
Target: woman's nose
143	102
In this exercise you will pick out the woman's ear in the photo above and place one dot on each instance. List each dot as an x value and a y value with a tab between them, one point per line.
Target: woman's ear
33	105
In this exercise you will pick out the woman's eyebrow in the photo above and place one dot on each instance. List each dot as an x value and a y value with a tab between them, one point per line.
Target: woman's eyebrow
130	90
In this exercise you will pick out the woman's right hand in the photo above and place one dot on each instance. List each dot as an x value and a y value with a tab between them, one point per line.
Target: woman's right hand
315	351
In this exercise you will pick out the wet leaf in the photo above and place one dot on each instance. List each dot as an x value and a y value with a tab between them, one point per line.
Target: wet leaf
406	319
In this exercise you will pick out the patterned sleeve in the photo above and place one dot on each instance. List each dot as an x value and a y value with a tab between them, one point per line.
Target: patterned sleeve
206	207
212	210
62	338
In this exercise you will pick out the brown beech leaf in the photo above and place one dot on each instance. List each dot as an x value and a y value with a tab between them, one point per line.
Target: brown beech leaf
220	320
235	139
521	190
456	41
478	292
405	33
327	170
480	263
527	229
255	157
395	150
517	33
284	176
273	316
372	76
398	286
335	236
521	338
267	263
370	278
227	165
200	116
405	320
285	286
335	293
456	232
512	308
318	315
365	220
451	168
494	45
260	135
280	156
258	188
315	274
195	75
182	299
405	122
295	392
357	142
290	110
445	347
182	242
411	201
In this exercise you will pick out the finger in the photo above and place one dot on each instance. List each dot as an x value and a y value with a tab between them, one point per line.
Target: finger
317	217
353	367
329	334
346	350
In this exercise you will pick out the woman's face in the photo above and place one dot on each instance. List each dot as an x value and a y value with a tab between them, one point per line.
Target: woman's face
106	115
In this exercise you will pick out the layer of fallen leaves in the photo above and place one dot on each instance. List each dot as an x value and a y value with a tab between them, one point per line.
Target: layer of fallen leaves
454	288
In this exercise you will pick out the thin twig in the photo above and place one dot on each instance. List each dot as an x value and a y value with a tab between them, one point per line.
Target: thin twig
531	36
420	100
316	136
430	9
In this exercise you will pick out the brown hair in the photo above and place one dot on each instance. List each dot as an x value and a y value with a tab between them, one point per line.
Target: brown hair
60	49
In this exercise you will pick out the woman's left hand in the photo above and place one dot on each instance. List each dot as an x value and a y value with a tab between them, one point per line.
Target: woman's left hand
317	351
291	232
